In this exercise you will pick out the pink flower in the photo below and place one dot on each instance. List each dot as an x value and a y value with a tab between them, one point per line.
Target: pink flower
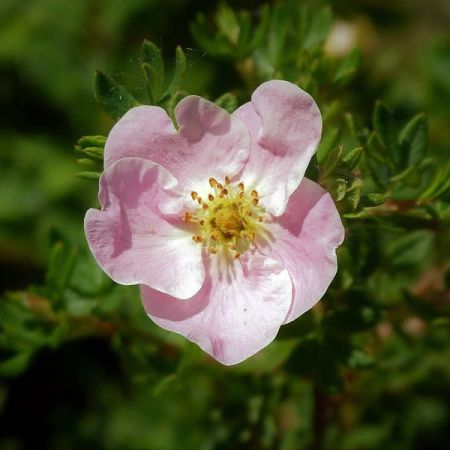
215	220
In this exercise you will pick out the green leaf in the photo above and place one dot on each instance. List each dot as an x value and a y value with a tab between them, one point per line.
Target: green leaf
151	54
312	171
95	153
16	364
338	189
92	141
154	82
351	125
61	265
347	67
327	143
377	162
410	249
320	27
227	23
152	64
89	175
373	199
245	33
364	214
213	42
228	102
383	122
414	139
351	159
439	185
180	68
353	194
88	163
113	97
332	161
260	31
358	359
166	383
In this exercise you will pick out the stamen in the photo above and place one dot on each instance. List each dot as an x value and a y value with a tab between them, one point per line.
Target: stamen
228	219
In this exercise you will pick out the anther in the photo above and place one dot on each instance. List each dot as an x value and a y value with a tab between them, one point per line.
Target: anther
254	194
202	222
197	239
236	255
225	192
227	180
260	219
199	200
210	197
187	217
219	186
212	182
241	186
255	201
212	250
194	195
205	206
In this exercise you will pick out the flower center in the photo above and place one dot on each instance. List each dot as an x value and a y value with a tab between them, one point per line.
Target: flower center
228	219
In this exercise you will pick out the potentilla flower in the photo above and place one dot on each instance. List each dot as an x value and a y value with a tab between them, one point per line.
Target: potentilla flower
216	220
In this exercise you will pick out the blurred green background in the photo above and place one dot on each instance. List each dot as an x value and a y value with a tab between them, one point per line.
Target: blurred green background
83	394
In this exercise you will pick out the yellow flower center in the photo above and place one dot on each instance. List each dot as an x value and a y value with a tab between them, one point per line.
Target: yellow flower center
228	219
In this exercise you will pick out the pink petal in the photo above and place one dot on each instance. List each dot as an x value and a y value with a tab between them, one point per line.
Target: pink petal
304	240
209	143
237	312
285	126
132	241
